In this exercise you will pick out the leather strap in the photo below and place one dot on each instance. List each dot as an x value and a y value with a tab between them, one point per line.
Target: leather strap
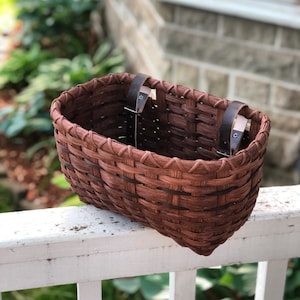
135	102
137	97
232	129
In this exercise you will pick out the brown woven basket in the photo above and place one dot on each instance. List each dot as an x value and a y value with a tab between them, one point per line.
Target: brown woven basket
175	180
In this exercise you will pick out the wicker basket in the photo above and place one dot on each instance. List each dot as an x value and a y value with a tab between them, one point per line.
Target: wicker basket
175	180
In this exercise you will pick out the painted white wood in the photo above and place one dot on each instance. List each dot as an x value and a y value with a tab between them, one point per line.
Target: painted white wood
83	244
284	13
89	290
183	285
270	281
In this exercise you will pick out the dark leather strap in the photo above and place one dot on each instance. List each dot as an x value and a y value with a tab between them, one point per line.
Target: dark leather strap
133	97
135	103
229	138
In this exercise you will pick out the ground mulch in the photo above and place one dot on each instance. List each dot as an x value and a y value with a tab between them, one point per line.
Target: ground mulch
31	174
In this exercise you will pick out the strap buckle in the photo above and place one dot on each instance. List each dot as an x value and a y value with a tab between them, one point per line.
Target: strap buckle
135	102
232	129
141	100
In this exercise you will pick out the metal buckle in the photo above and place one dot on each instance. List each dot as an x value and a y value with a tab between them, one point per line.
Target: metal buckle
224	154
140	101
237	133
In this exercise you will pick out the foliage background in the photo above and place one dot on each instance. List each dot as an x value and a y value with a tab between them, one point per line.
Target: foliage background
57	49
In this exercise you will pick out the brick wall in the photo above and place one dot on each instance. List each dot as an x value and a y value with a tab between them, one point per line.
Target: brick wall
230	57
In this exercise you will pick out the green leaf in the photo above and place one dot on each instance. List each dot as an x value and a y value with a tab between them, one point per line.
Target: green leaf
101	52
128	285
60	182
213	273
155	287
205	283
38	146
16	125
108	65
73	200
41	125
227	280
4	125
4	112
243	278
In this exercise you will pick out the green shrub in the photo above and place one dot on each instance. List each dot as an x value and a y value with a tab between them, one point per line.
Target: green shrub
57	51
30	113
64	292
60	25
21	67
7	202
230	282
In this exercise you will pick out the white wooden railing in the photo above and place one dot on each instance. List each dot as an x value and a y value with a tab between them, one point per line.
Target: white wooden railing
85	245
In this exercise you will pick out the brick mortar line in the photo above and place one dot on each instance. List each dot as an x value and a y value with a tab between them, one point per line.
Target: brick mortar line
174	69
175	15
285	112
272	96
236	72
252	44
231	86
278	38
201	76
285	134
220	25
232	77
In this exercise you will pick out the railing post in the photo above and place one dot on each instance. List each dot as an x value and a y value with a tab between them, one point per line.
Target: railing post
183	285
89	290
270	281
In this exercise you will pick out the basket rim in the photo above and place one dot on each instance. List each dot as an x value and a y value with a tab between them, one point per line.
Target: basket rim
254	150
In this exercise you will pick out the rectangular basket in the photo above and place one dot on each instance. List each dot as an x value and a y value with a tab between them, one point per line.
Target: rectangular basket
178	179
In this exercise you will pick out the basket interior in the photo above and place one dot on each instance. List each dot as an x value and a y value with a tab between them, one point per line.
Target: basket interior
169	125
